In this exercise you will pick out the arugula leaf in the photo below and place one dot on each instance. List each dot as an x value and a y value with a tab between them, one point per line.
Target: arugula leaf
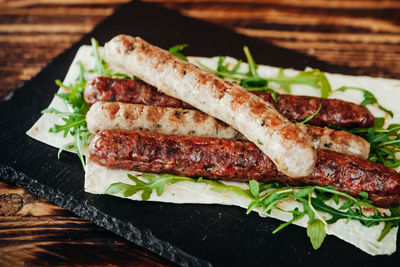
61	113
250	61
70	125
313	78
74	120
316	233
254	188
311	116
221	187
297	215
115	188
390	224
307	208
304	192
266	196
101	67
385	143
154	182
253	82
175	50
369	98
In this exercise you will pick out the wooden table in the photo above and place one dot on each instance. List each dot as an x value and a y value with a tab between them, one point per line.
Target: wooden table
364	34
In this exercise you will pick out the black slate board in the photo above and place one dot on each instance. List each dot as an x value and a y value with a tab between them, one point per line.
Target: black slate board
185	234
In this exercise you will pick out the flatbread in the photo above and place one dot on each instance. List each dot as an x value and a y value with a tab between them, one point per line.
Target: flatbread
98	178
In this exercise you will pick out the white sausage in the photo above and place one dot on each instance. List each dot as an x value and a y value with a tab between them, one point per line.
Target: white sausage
282	141
121	116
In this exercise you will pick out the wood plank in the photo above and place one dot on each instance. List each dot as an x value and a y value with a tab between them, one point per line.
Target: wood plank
28	3
331	4
45	28
364	34
34	231
53	11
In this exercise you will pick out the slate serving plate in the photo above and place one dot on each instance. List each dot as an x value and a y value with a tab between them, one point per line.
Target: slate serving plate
185	234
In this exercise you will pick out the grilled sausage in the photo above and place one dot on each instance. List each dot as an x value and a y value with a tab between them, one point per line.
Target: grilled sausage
296	108
239	161
121	116
286	145
128	91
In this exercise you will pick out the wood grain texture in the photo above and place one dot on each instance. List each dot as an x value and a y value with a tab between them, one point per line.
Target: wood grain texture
364	34
36	232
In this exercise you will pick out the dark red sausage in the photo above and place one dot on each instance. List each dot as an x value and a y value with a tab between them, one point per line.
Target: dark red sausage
240	161
128	91
333	111
296	108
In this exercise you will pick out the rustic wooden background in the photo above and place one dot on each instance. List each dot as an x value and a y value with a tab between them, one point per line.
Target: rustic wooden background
364	34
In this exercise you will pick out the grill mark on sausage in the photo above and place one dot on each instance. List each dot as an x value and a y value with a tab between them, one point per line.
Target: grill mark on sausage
239	161
131	115
200	117
154	115
111	109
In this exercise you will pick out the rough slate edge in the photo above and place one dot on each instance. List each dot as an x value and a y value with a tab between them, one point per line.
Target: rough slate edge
143	238
103	33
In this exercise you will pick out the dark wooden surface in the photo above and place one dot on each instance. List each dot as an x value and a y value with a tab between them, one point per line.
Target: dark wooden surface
364	34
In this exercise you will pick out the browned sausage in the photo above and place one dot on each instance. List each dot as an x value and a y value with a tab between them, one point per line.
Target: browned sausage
240	161
296	108
128	91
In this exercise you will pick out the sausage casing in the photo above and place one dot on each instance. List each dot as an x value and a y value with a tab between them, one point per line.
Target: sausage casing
285	143
240	161
121	116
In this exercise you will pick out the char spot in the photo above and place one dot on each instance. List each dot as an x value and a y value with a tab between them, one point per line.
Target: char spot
202	78
239	98
132	114
290	132
257	108
154	114
199	117
111	109
220	88
127	42
328	145
176	116
222	124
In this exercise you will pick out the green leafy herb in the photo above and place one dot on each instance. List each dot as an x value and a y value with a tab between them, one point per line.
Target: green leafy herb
313	78
369	98
297	215
101	67
316	233
253	82
154	182
250	61
221	187
311	116
74	119
266	197
176	51
384	143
